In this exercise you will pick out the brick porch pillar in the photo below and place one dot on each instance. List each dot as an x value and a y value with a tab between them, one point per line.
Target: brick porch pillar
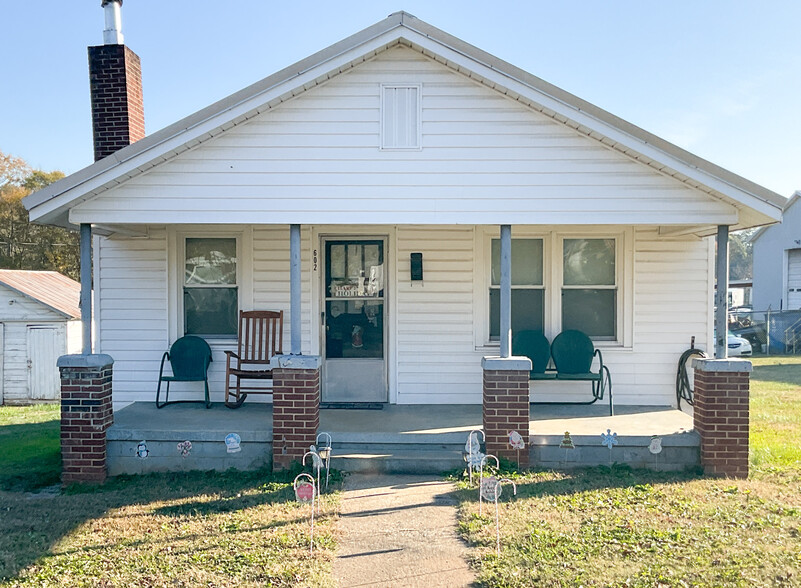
506	405
296	407
86	414
721	415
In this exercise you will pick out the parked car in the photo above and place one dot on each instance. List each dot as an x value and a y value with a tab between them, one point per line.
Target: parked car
738	346
755	334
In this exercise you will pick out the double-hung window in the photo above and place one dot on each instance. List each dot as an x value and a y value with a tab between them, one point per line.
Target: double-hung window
589	287
210	289
528	290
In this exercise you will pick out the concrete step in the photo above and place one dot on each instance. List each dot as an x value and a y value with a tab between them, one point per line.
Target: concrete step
395	461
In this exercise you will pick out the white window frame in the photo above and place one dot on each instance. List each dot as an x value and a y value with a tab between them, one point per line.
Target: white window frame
383	120
553	244
176	240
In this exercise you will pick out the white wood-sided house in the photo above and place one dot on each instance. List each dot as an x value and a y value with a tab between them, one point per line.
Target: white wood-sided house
404	140
39	321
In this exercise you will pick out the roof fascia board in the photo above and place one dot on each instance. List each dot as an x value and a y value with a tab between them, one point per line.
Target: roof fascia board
37	301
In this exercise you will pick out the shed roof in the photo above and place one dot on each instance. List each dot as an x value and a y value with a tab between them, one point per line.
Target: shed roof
757	205
54	290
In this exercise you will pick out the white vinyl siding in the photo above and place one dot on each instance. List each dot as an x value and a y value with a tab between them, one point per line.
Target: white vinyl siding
400	117
485	158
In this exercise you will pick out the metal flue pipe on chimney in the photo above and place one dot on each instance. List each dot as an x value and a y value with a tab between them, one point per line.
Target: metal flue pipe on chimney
112	34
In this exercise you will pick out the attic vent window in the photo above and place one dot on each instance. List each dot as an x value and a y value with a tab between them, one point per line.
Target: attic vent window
400	116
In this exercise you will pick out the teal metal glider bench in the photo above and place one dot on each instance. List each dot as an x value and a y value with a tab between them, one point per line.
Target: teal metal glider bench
572	354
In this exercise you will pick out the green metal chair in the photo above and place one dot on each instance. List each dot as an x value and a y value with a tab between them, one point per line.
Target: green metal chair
535	346
189	359
573	354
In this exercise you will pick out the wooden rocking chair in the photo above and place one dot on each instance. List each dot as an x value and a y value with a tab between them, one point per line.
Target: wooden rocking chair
261	334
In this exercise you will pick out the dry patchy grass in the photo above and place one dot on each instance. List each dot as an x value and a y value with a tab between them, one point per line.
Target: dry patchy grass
195	529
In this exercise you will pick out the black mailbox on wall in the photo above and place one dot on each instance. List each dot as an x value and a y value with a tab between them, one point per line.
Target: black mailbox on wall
416	266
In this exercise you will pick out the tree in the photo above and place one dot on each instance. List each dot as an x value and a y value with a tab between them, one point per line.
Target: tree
741	266
24	245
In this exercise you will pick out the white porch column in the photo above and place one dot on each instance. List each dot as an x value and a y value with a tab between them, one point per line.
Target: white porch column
86	288
294	287
506	291
722	293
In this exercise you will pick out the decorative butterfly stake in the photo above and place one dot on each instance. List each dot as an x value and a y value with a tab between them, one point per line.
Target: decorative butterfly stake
610	440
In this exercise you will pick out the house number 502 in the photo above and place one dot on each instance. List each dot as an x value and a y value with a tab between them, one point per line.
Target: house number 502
314	259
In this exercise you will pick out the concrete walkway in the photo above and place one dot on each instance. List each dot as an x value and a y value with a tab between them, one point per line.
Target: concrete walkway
400	531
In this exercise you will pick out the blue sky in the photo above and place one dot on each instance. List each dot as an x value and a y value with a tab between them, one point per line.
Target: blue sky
719	78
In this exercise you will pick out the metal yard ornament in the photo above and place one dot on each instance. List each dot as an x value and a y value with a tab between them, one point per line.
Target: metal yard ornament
472	452
495	496
566	443
233	443
184	447
317	464
486	486
325	452
516	442
142	451
610	440
655	447
304	488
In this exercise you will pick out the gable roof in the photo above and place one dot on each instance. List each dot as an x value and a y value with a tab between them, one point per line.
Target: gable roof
790	202
54	290
756	204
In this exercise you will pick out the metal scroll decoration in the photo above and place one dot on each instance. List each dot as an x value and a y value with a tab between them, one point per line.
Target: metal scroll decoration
325	452
486	486
472	452
305	491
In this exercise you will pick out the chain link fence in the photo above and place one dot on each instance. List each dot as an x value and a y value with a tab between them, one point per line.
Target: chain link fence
769	331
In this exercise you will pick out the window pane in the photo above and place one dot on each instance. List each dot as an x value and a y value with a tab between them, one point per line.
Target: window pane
528	311
210	311
526	262
210	261
589	262
590	311
354	328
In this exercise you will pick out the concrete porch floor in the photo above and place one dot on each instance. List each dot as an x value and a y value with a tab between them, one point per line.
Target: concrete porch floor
141	420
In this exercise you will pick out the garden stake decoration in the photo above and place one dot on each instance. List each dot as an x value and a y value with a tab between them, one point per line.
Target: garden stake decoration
609	439
325	453
486	486
496	495
233	443
184	447
317	464
566	443
472	452
655	447
142	451
304	492
516	442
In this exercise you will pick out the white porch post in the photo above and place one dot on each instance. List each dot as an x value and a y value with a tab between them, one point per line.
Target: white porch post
294	287
722	293
506	291
86	288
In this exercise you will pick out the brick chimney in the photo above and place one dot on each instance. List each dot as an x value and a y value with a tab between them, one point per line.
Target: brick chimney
115	80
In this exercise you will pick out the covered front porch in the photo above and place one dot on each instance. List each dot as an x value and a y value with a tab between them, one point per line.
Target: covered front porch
396	438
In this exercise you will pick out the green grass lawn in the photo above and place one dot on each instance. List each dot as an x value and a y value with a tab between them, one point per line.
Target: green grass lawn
619	527
30	454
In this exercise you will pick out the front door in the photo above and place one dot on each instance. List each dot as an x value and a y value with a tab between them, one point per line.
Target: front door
354	336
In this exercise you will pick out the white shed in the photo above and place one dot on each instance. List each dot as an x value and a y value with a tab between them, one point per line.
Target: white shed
777	261
39	321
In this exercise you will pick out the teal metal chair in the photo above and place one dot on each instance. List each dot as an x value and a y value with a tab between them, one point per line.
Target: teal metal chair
573	354
189	359
535	346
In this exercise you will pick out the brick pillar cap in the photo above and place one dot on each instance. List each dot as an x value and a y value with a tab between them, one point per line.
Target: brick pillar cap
296	362
94	360
506	364
722	365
